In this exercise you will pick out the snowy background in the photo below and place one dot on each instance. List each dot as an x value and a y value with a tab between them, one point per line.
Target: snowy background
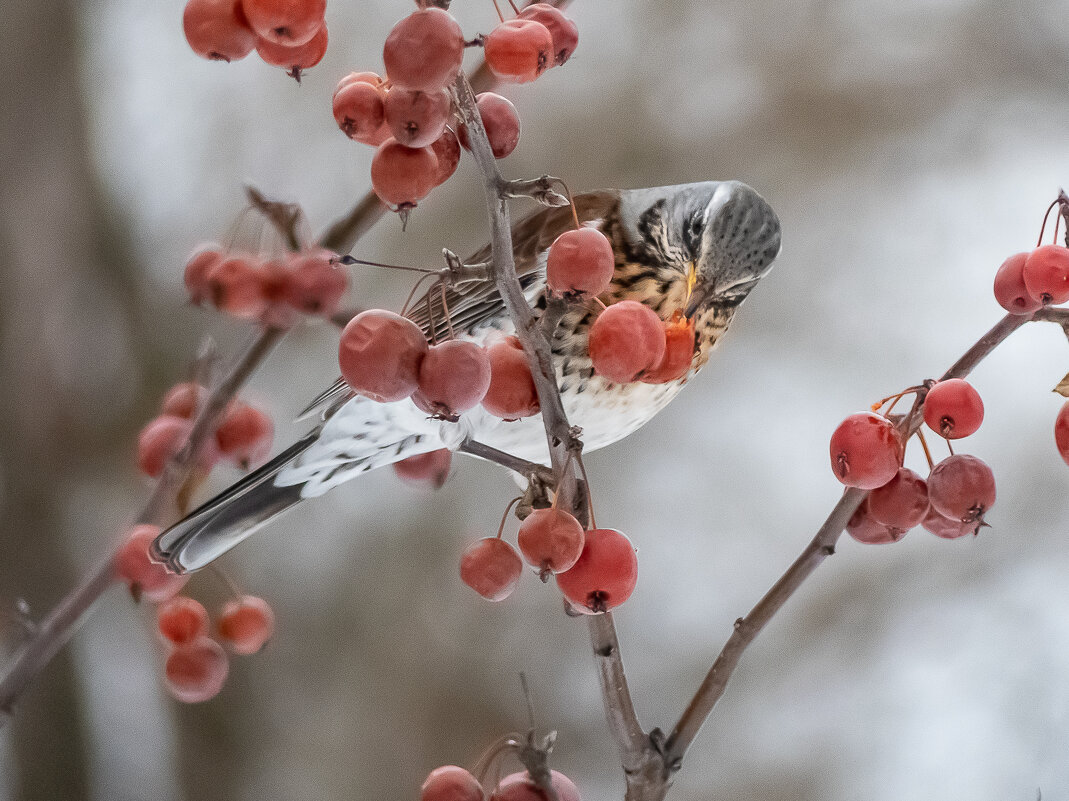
908	147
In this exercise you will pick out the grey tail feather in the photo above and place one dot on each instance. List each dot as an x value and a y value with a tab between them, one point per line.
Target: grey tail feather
237	512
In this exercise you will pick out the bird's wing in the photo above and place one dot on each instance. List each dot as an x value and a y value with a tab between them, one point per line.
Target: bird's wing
472	304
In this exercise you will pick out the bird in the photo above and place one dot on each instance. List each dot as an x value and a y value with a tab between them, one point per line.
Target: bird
696	248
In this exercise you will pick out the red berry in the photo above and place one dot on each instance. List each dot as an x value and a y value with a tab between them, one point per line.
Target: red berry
518	50
953	409
501	122
316	283
275	277
866	451
234	286
182	619
294	59
360	111
947	528
1010	291
962	487
678	352
159	440
605	574
902	502
491	567
429	469
285	22
244	435
246	624
511	394
1046	274
564	32
521	787
197	671
453	378
450	783
146	578
550	540
864	528
401	176
627	341
1061	432
424	50
197	270
580	264
380	354
417	119
184	400
372	78
447	149
217	29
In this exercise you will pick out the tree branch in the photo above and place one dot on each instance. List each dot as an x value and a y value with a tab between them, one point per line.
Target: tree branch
514	463
822	545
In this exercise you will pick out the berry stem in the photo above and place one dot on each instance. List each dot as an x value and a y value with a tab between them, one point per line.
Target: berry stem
927	453
227	581
498	10
505	516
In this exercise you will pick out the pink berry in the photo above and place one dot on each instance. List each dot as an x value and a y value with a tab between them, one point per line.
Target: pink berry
424	51
244	435
864	528
1061	432
550	540
218	29
678	353
372	78
450	783
416	118
182	620
521	787
159	440
604	575
197	671
962	487
429	469
627	341
518	50
447	149
1046	274
866	451
380	355
360	111
453	378
184	400
511	394
491	567
947	528
234	286
402	176
316	283
501	121
286	22
294	59
953	409
563	30
1010	291
902	502
146	578
580	264
246	624
196	273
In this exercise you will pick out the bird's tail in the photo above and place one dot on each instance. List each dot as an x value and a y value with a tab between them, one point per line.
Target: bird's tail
234	514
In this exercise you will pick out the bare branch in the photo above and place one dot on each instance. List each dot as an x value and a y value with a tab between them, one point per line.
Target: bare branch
540	189
515	463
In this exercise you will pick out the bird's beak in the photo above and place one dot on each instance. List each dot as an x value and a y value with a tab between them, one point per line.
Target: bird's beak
696	296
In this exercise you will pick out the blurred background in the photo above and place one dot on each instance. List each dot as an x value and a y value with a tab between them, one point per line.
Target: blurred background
908	147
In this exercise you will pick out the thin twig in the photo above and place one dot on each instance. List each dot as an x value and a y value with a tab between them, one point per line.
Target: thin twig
514	463
822	545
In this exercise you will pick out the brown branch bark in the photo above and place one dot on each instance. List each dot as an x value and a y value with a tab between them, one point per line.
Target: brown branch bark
820	547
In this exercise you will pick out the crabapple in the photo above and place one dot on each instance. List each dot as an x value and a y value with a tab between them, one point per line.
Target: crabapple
294	59
182	619
424	51
447	148
564	31
360	111
244	435
901	503
159	440
285	22
1046	274
450	783
962	487
501	121
429	469
580	264
380	354
218	29
246	624
453	377
1010	291
402	176
147	579
946	527
416	118
605	574
1061	432
953	409
518	50
234	286
863	527
491	567
627	340
866	451
678	352
550	540
511	394
196	272
184	400
196	671
316	283
521	787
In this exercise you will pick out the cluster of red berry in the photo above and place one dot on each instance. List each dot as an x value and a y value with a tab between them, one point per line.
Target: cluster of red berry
596	569
867	452
273	290
290	34
452	783
407	114
197	665
243	437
